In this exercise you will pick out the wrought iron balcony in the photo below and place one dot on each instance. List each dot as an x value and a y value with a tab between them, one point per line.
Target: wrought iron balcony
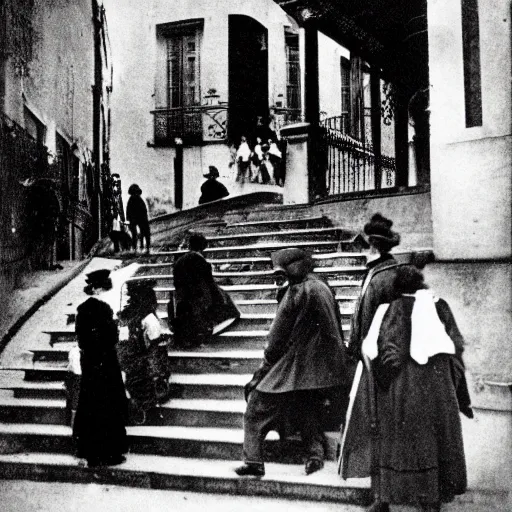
190	125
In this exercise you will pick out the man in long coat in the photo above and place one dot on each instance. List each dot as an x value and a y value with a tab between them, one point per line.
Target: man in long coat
358	447
304	358
99	427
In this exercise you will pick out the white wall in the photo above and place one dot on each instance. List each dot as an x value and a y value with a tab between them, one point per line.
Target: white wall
329	53
137	70
471	167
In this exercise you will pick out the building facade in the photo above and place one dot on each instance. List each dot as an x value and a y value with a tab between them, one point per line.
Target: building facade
447	69
192	78
55	83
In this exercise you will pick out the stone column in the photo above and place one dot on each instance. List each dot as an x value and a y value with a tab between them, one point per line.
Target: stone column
296	188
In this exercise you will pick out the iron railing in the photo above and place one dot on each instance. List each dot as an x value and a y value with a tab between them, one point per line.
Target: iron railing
349	164
191	125
183	123
338	123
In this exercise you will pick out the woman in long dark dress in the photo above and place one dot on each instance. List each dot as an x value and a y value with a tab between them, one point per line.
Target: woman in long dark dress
99	428
203	309
416	354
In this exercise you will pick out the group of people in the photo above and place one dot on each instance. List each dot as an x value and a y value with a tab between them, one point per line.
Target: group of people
403	365
136	219
402	426
112	383
259	163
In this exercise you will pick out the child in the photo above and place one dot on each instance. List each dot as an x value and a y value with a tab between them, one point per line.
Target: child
145	353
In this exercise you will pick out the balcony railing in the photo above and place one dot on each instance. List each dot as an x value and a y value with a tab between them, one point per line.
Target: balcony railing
191	125
350	165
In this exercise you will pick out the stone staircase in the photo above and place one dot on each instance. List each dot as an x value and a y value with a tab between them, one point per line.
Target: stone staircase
194	440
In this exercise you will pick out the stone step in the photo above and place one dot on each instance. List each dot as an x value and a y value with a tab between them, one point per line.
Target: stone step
227	278
250	322
191	474
258	249
199	413
32	389
170	441
220	386
32	410
343	287
262	306
207	359
36	373
245	264
289	236
210	360
277	225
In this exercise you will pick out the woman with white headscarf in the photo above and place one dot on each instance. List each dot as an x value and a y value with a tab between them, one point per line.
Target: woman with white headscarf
415	349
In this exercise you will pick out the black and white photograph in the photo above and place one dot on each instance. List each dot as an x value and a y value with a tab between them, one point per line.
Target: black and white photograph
256	255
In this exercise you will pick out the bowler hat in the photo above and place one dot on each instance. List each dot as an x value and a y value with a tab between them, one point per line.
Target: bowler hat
379	228
213	172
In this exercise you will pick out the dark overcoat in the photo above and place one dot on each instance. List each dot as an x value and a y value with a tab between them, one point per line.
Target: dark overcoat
99	428
136	211
378	288
212	190
305	348
420	450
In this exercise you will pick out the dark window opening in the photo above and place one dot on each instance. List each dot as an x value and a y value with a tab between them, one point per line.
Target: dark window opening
345	95
34	126
292	70
471	57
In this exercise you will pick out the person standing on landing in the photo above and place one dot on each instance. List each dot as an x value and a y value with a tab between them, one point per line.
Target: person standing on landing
211	189
137	215
303	363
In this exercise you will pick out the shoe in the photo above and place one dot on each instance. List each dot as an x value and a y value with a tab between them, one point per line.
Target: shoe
251	470
313	465
378	506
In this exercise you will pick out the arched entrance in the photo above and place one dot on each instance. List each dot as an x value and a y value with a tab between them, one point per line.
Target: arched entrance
248	75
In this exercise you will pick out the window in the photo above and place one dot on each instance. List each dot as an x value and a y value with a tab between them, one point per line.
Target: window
471	57
292	70
345	95
182	70
178	113
34	126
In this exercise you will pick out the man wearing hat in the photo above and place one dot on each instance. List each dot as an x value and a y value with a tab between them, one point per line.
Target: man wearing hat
304	360
211	189
359	448
99	427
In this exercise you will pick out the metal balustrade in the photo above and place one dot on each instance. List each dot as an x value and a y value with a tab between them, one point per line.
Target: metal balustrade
349	164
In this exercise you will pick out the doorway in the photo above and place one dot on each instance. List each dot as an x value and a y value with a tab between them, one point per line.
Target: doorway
248	76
